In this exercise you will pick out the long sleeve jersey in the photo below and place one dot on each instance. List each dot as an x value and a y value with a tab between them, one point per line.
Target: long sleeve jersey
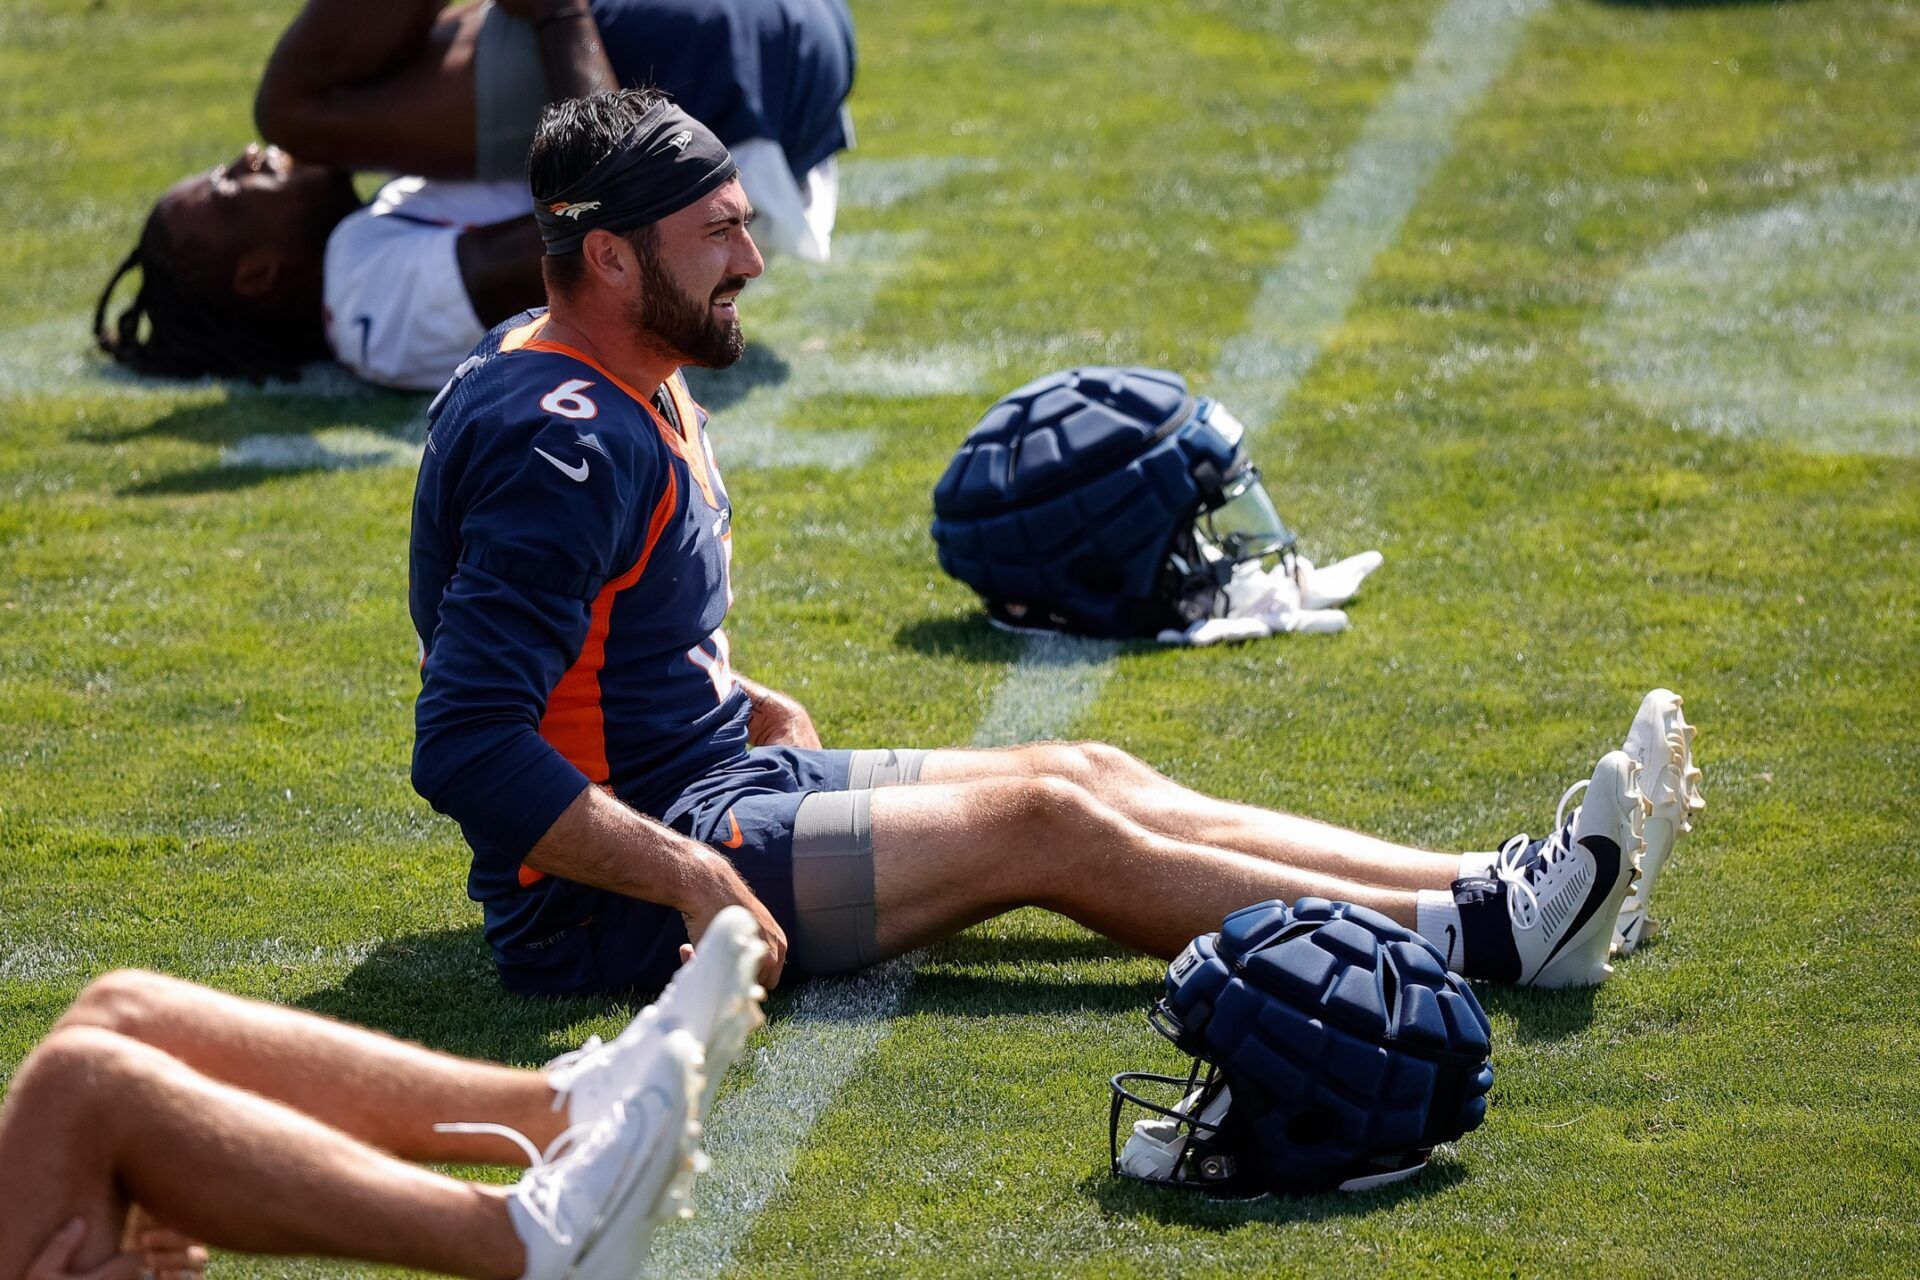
569	577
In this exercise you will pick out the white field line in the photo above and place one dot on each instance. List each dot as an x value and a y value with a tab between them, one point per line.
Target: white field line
756	1133
801	312
1057	679
1793	323
881	184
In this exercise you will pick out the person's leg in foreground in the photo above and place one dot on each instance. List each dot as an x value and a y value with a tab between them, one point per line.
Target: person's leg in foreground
265	1130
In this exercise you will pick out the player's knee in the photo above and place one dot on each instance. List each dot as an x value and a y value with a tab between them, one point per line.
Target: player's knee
122	1001
73	1069
1109	763
1070	761
1054	806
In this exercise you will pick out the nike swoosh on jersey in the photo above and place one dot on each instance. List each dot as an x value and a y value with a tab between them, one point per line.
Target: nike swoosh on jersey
571	473
736	840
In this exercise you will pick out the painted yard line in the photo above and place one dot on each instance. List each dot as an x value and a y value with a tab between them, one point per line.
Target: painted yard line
796	317
756	1134
881	184
1734	326
1302	301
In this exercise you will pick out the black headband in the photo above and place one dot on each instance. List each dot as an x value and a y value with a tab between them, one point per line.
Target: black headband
666	162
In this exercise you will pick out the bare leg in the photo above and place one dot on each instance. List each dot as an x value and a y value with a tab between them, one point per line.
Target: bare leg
949	855
95	1120
1163	805
380	1090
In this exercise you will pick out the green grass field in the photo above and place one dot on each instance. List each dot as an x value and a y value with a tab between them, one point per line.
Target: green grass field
1632	397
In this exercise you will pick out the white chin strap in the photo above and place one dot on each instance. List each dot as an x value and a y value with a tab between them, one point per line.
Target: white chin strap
1158	1142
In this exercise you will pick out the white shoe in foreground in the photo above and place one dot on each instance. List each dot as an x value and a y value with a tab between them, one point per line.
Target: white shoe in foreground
1661	742
1563	893
713	997
589	1212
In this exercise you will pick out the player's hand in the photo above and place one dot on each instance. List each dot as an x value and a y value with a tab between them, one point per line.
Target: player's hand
167	1253
55	1261
729	890
779	720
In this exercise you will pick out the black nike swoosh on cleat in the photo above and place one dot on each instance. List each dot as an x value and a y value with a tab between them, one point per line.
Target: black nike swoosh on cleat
1606	863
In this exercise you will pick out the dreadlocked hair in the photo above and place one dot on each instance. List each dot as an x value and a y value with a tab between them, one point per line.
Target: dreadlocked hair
188	334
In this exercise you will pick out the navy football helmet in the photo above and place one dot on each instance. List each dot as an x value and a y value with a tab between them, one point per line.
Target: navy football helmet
1332	1050
1108	502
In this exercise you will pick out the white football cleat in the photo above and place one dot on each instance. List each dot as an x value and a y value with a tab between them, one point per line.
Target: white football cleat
714	998
589	1212
1563	893
1661	742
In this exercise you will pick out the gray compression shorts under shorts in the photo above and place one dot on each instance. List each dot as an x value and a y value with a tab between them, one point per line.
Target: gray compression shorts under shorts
509	92
833	865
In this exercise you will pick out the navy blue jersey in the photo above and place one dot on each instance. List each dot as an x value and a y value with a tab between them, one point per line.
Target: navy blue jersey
777	69
569	578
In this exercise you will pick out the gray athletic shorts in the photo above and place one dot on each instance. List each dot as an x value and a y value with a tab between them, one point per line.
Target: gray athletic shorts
509	92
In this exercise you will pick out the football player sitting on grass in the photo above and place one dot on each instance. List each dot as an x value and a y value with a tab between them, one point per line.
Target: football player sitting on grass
269	261
620	783
162	1113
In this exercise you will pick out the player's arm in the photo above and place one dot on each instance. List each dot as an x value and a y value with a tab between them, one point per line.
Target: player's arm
777	719
500	268
389	84
537	542
599	841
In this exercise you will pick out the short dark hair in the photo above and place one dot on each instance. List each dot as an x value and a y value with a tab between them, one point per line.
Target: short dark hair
192	328
573	136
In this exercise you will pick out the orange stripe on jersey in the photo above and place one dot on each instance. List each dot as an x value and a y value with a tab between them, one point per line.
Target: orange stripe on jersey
695	452
575	723
518	338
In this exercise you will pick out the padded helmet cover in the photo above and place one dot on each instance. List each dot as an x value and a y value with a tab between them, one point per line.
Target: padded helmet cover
1062	504
1346	1046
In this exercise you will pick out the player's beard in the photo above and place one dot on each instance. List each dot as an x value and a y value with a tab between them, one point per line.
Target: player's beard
683	325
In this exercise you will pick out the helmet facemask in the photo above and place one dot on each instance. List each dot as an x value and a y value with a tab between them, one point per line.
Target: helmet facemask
1235	522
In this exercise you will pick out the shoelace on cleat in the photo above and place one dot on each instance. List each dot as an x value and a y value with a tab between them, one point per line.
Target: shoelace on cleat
1523	859
543	1196
561	1072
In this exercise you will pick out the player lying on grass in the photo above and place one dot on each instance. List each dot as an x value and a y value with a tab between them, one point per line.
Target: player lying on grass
268	262
619	783
266	1130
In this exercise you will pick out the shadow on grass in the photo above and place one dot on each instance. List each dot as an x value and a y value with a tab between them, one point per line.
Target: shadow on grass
720	389
1119	1197
230	421
999	996
1694	4
984	977
221	479
972	949
1539	1015
440	989
969	639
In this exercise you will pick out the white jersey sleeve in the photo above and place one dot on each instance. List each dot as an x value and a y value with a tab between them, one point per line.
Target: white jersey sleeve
397	312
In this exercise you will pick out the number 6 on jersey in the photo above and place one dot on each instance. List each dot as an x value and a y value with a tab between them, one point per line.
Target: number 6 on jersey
566	401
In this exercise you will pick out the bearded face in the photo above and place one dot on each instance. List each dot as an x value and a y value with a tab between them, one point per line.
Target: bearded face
696	328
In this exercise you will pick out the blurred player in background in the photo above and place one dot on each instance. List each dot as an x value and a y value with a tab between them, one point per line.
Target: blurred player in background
270	261
158	1114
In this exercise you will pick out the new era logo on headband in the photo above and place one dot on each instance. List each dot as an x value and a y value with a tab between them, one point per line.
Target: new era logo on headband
573	211
680	140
